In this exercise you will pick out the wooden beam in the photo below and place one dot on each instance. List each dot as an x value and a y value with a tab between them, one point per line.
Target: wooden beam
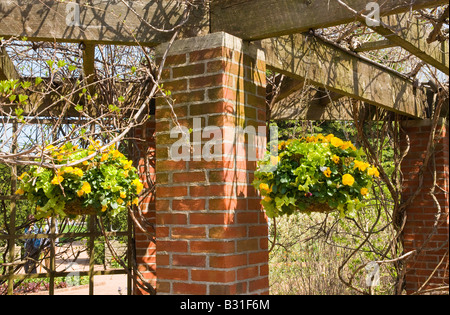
98	21
7	69
379	44
272	18
319	105
326	65
411	34
310	104
288	87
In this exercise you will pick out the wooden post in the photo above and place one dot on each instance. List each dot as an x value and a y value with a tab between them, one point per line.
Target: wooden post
12	217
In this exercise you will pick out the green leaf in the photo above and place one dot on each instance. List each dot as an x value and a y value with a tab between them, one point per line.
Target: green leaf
18	111
38	81
22	98
61	63
50	63
25	84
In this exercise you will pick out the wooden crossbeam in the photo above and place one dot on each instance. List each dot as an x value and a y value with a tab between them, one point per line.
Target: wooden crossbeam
313	105
272	18
7	68
326	65
98	21
411	34
379	44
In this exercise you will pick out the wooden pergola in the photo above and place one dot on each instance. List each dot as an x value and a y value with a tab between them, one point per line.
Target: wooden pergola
281	27
285	30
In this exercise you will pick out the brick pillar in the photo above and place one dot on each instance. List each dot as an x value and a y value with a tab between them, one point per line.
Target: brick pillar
144	158
421	214
211	230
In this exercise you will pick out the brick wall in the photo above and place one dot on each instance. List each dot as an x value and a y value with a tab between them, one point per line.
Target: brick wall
211	230
420	232
144	157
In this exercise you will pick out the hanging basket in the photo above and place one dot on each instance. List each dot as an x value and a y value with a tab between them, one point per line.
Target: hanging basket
75	207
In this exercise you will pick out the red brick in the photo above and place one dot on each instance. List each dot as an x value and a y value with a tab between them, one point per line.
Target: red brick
172	274
189	204
189	288
216	276
211	218
189	70
219	247
190	177
188	232
224	232
177	191
228	261
171	218
189	260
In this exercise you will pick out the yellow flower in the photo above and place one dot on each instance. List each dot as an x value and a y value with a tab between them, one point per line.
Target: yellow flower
346	145
320	137
139	185
68	169
327	172
364	191
348	180
80	193
126	164
50	148
119	201
116	154
77	171
85	162
123	194
20	191
264	186
125	173
267	199
274	160
86	187
335	141
373	171
362	166
22	176
136	201
104	208
336	159
57	180
104	157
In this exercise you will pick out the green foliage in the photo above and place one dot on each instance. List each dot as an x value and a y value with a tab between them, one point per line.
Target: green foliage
107	183
314	170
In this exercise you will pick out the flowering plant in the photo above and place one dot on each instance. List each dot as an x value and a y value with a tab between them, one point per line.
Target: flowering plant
317	173
105	183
